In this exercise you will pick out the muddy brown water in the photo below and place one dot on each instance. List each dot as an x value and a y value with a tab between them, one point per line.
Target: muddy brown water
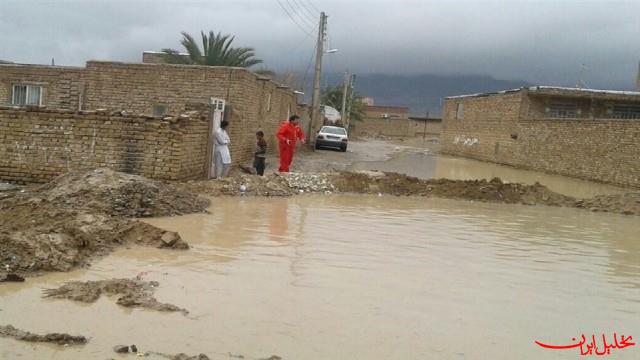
427	164
357	277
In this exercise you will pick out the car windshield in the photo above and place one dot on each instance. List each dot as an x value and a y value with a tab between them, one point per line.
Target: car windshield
334	130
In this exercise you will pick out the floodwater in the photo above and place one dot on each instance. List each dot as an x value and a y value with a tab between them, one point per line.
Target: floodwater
426	164
358	277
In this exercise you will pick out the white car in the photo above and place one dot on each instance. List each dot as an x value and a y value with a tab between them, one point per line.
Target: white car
332	136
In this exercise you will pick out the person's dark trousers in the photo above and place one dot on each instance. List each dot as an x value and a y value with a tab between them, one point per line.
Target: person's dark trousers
259	164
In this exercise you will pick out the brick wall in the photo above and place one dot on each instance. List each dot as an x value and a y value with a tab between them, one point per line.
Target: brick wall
602	150
38	144
484	131
253	103
377	126
138	87
62	86
509	129
418	128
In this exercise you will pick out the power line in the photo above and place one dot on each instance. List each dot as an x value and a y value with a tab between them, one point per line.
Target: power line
306	72
304	30
313	6
301	16
304	6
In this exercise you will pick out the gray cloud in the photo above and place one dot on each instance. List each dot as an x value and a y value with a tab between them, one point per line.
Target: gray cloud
539	41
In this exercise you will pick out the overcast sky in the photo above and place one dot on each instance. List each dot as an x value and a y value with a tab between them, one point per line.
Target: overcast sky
542	42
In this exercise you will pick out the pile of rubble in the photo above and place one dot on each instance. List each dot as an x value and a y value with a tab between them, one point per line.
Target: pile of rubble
304	182
285	184
119	194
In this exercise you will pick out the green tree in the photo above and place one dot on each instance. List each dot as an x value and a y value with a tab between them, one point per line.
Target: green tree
332	96
216	51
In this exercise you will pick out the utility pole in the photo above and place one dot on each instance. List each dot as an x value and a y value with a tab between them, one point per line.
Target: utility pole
638	78
315	99
352	82
424	132
345	89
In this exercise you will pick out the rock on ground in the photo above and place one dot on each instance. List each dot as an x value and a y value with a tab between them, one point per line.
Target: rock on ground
131	292
628	204
55	338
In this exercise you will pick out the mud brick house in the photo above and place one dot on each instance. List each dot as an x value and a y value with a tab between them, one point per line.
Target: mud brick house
584	133
392	121
136	117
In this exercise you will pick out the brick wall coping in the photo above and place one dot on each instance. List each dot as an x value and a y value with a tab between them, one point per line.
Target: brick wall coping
380	108
201	67
562	92
42	66
122	114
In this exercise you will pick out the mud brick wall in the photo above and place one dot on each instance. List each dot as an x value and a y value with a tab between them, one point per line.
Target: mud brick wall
484	132
392	127
601	150
138	87
62	86
499	128
37	144
417	127
253	103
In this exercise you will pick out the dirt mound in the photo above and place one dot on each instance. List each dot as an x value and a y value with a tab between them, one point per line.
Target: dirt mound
375	182
54	338
478	190
118	194
628	204
65	223
132	292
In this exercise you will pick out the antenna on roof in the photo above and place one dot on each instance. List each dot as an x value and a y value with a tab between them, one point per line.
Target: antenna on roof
581	84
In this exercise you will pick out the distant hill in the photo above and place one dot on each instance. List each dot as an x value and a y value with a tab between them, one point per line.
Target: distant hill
422	92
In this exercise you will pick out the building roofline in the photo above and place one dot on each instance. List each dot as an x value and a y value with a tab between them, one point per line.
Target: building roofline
484	94
555	90
162	52
42	66
581	91
373	107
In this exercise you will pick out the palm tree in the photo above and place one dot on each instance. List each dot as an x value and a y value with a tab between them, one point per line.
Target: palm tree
216	51
332	96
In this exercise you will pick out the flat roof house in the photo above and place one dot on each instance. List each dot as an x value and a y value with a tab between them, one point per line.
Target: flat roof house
584	133
48	120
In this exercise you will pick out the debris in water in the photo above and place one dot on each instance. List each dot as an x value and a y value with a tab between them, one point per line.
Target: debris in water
133	293
55	338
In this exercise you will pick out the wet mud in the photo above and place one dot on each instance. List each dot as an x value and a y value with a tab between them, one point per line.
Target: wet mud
53	338
132	293
374	182
64	224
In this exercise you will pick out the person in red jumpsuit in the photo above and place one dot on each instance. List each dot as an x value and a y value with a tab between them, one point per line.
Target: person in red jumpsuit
288	133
